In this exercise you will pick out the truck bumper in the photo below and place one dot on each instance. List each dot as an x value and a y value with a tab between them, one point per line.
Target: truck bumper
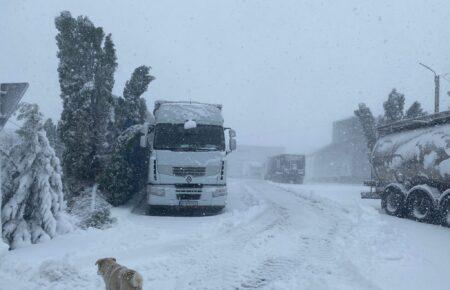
172	196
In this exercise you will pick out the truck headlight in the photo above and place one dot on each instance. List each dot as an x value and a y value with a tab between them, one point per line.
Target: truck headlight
158	191
221	191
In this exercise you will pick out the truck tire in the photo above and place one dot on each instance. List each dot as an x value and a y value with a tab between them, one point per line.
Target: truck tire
445	212
420	206
393	202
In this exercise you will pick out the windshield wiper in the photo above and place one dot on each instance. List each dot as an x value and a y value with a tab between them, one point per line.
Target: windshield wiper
186	149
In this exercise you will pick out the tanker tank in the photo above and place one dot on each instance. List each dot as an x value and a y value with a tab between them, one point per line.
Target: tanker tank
411	168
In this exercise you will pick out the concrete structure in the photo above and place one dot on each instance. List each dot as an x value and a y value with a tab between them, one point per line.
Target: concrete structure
345	159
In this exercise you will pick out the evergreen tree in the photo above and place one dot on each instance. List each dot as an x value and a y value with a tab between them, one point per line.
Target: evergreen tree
109	65
393	107
127	167
33	209
102	106
86	70
368	124
124	174
415	111
51	131
52	135
131	109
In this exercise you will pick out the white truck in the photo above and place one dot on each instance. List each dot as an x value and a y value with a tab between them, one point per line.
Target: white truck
188	156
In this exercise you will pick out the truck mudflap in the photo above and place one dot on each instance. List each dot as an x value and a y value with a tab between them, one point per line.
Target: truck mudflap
373	193
370	195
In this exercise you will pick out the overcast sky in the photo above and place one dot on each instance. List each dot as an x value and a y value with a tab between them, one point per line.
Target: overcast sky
284	70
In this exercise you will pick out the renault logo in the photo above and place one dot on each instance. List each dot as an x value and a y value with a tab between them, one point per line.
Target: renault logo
188	179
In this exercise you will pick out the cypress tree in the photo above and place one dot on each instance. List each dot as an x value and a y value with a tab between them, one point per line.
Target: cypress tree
86	70
415	111
393	107
368	125
127	167
131	109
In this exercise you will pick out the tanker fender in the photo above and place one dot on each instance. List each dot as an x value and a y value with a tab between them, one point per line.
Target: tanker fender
432	192
397	186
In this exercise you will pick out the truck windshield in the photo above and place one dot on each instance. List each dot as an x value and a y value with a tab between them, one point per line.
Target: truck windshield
201	138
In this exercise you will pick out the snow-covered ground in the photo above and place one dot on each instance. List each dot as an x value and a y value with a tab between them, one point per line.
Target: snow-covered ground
271	236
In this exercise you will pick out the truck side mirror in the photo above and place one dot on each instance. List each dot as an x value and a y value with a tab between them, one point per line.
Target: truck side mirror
147	137
232	139
232	144
143	141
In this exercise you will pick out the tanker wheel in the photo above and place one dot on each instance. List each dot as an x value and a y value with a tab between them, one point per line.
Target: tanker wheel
420	206
445	212
393	202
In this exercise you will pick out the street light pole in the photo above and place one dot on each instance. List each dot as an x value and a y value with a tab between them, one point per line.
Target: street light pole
436	93
436	87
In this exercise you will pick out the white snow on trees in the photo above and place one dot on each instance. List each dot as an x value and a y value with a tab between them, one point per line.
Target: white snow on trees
33	206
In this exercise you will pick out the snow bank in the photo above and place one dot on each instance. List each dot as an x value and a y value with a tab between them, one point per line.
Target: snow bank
92	210
269	237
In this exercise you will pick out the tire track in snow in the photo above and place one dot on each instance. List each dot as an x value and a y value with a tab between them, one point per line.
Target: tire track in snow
226	258
328	248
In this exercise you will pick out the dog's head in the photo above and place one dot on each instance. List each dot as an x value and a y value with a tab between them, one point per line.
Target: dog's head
104	264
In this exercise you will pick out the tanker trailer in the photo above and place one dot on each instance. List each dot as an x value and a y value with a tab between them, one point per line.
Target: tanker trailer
411	168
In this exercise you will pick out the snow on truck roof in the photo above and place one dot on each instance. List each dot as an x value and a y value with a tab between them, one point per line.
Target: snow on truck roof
181	112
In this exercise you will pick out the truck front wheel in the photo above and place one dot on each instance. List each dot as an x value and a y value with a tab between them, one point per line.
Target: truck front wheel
393	201
420	206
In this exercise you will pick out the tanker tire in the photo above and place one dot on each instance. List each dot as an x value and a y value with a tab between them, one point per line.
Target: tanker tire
445	212
420	207
393	202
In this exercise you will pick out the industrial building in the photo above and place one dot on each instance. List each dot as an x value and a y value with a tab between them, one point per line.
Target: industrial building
345	160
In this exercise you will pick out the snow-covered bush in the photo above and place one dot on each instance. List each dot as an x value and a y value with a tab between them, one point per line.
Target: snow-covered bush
91	209
33	207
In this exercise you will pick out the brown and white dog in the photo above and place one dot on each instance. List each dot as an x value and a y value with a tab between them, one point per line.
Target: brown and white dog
118	277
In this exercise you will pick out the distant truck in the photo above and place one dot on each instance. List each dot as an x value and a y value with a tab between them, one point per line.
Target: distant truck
411	169
286	168
188	156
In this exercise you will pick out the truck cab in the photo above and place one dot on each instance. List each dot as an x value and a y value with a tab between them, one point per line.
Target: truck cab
188	156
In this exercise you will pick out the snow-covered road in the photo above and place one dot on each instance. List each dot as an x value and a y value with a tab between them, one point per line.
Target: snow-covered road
271	236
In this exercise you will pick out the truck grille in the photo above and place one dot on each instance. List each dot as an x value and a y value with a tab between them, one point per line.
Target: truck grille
192	171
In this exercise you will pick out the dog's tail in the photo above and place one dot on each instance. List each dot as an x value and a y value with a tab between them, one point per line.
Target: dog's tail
136	280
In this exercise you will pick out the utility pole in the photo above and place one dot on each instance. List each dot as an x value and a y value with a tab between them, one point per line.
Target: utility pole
436	87
10	95
436	93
